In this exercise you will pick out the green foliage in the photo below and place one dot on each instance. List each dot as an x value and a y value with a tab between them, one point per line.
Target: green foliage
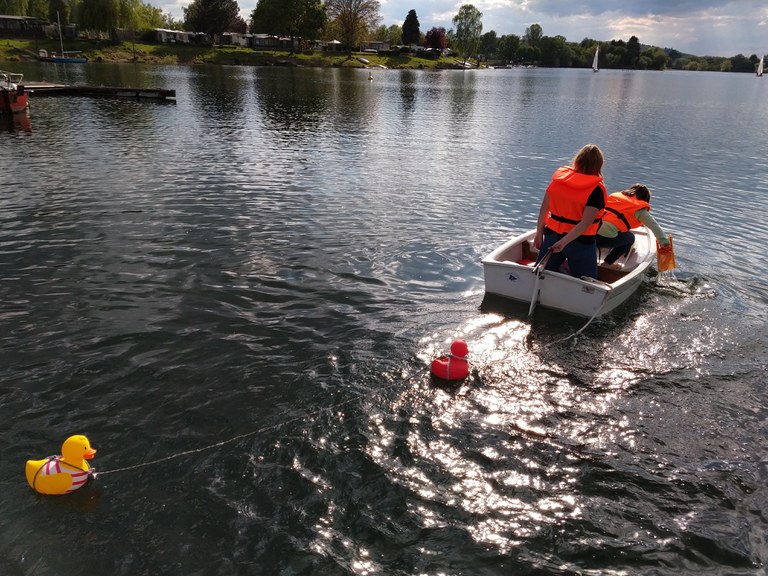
527	54
488	45
507	46
59	10
38	9
293	18
393	34
633	52
555	52
533	34
212	16
98	15
469	27
14	7
148	17
411	31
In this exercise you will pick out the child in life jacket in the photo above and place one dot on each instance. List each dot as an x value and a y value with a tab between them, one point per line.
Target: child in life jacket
625	210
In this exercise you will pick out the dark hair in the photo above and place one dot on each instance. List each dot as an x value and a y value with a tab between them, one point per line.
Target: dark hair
589	160
639	191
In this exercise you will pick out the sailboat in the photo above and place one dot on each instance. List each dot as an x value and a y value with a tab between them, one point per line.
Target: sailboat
66	57
594	62
760	67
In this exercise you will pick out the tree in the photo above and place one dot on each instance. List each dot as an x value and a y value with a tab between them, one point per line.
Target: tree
292	18
436	38
38	9
741	63
353	19
507	47
555	52
170	23
59	9
488	45
527	53
411	32
656	58
533	35
469	27
14	7
392	34
99	15
212	16
633	52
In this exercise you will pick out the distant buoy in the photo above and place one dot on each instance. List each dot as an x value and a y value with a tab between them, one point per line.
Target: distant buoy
370	76
62	474
454	366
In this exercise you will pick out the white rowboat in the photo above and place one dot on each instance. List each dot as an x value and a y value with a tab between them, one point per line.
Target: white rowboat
509	272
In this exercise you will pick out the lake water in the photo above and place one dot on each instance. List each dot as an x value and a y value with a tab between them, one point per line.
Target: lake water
236	297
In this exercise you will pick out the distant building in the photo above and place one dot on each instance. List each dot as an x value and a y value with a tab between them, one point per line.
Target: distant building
269	42
164	36
235	39
374	46
21	27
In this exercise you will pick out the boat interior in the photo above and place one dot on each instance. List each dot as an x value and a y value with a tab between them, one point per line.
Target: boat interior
604	273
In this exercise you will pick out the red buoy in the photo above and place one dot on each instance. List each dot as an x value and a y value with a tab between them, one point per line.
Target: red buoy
454	366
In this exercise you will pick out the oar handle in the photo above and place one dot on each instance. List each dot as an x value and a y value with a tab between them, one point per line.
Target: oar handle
541	264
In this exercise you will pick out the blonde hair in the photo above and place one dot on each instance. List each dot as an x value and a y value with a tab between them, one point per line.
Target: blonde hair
589	160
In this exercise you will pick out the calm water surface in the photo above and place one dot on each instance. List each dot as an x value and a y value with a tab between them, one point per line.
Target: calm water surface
236	298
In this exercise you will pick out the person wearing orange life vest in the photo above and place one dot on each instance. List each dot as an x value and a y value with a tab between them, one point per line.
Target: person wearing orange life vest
625	210
570	212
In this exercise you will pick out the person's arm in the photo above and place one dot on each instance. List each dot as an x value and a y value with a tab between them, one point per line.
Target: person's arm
587	218
649	222
543	211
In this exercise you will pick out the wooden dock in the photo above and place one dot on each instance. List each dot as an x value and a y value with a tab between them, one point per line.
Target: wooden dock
48	89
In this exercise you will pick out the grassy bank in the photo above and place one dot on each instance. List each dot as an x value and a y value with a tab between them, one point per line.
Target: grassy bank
102	51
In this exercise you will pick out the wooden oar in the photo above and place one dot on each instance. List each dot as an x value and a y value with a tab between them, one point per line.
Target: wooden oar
537	270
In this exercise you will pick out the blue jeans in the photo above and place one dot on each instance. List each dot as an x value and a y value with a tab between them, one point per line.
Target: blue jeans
620	245
581	256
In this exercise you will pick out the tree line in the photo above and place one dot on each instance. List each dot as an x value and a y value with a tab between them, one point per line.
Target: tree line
353	22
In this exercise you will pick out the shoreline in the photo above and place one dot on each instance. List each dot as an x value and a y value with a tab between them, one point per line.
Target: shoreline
142	53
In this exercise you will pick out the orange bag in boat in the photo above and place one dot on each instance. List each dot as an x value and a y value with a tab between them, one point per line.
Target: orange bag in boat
665	256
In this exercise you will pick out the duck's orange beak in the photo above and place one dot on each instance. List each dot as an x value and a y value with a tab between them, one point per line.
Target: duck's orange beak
90	453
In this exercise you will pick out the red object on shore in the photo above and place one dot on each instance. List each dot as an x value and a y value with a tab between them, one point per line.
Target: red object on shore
454	366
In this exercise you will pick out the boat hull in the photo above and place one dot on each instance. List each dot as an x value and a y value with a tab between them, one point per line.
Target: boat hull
508	272
64	60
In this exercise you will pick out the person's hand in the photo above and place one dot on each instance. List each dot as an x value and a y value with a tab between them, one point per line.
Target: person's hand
664	242
558	246
537	240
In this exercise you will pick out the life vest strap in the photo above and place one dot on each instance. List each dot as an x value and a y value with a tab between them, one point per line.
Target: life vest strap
565	220
620	216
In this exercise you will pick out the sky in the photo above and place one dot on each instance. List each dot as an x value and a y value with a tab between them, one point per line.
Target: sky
699	27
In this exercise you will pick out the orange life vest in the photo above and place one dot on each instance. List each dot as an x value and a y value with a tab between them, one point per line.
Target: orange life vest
568	194
620	211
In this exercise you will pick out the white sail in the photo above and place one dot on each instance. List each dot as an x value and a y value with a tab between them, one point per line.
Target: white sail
760	66
594	62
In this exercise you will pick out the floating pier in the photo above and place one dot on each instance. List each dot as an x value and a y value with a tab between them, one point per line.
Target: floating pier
47	89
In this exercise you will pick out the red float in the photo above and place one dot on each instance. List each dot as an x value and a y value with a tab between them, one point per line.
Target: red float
455	365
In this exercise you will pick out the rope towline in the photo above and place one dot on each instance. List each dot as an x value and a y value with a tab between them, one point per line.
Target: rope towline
258	431
241	436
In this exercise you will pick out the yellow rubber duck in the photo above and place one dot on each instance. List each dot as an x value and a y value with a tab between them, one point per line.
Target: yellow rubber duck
62	474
